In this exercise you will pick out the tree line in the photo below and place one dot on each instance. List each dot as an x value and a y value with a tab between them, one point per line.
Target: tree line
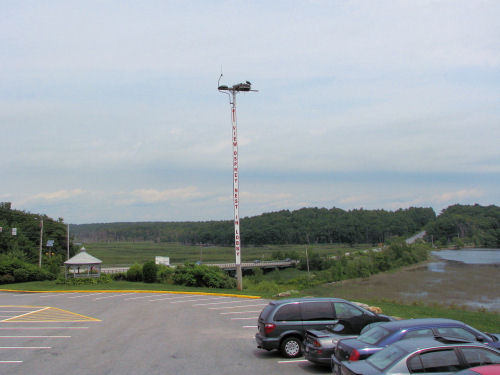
466	225
306	225
20	235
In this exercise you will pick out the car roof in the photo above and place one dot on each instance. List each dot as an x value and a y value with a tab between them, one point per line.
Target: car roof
397	325
307	299
428	343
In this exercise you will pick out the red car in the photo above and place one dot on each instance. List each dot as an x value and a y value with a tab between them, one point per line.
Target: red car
481	370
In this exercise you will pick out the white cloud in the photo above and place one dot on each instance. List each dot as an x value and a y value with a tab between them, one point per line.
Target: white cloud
54	196
155	196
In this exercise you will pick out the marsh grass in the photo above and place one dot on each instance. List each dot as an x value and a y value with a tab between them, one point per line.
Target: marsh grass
128	253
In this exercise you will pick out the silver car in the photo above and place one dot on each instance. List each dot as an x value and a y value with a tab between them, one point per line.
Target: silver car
441	356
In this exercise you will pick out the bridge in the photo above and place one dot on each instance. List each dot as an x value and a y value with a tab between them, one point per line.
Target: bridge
277	264
256	264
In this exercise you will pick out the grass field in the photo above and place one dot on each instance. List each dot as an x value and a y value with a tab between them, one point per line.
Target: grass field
128	253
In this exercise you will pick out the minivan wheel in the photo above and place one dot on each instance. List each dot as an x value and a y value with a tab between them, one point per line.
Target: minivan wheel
291	347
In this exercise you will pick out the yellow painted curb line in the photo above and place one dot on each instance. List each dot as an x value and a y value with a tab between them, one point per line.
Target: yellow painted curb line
131	291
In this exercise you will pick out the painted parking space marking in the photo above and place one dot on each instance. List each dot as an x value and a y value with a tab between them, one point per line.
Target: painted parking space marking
37	314
249	326
198	299
11	361
35	337
112	296
170	298
86	295
24	347
215	303
37	328
57	295
239	312
294	361
250	318
236	307
140	297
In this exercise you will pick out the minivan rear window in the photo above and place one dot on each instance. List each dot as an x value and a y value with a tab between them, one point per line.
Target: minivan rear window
264	315
288	312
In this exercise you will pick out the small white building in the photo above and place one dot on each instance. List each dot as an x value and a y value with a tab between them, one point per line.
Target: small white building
162	260
82	265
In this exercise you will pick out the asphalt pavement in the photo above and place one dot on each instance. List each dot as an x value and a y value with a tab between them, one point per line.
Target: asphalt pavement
135	333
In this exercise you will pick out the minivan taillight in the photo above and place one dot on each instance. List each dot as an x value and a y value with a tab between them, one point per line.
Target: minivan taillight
354	355
269	327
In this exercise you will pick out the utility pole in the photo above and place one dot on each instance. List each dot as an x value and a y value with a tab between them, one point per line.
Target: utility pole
41	241
231	92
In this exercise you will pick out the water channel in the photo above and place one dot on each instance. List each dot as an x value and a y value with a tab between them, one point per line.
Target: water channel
468	278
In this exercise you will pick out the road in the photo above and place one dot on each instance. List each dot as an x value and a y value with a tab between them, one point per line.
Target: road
135	333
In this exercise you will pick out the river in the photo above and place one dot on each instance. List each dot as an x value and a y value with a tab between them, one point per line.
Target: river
468	278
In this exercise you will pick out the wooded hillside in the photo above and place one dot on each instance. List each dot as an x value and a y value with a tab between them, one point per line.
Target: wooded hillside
313	225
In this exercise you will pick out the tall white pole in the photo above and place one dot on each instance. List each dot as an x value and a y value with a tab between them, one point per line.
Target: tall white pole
67	241
236	197
41	241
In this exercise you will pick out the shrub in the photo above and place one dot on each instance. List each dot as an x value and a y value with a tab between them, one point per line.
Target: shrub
21	275
7	279
103	279
134	273
164	274
202	276
149	270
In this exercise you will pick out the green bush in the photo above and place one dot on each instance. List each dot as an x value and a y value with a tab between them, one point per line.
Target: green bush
202	276
134	273
21	275
119	276
16	270
149	270
164	274
103	279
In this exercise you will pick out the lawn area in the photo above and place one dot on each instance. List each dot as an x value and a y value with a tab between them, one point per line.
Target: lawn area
128	253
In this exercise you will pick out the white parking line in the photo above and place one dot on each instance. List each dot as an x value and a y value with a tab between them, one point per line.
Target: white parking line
197	299
56	295
11	361
249	326
168	298
35	337
252	318
236	307
148	296
239	312
86	295
112	296
25	347
294	361
215	303
35	328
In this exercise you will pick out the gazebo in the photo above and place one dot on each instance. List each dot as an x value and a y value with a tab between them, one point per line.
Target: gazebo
83	261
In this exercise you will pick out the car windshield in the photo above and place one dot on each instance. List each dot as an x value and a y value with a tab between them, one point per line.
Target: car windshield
374	335
386	357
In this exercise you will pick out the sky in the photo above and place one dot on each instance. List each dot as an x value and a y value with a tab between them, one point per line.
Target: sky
109	110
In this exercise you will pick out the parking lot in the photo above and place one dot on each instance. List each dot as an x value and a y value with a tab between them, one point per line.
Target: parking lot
135	333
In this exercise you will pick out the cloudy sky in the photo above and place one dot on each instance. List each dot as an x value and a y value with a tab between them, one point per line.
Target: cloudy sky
109	109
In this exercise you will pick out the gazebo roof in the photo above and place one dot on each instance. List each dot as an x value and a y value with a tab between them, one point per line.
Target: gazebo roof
83	258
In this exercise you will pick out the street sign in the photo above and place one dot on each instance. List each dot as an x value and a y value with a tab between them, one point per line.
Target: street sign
50	243
14	231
